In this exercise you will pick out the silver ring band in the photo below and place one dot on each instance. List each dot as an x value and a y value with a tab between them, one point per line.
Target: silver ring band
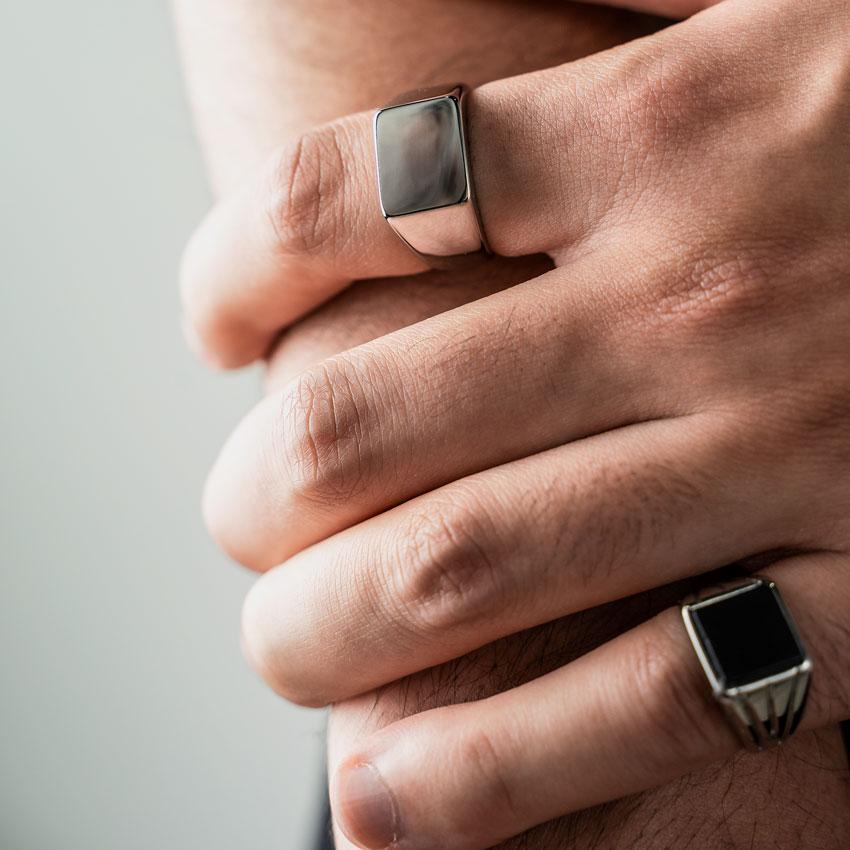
751	653
424	181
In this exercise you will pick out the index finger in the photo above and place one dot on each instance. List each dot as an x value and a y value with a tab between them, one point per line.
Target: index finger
555	155
310	222
286	243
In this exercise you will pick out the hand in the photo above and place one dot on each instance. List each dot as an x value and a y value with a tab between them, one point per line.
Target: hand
791	797
717	412
262	72
238	71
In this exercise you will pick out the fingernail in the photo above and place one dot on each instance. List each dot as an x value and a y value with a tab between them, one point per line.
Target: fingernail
365	809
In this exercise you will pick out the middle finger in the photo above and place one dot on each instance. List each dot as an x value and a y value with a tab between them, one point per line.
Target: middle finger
519	372
511	548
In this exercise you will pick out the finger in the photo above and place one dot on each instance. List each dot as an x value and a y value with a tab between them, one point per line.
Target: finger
298	232
633	714
310	223
372	308
416	409
511	548
296	235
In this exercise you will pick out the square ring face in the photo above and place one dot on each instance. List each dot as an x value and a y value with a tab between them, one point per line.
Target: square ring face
746	635
419	147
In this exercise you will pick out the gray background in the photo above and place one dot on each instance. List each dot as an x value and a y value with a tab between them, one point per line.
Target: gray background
127	717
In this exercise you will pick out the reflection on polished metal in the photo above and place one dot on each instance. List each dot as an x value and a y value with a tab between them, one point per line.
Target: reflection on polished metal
749	649
423	175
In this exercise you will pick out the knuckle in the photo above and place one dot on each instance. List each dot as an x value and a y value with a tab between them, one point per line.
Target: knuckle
718	292
487	761
229	505
266	649
447	574
638	109
212	328
812	414
306	181
202	313
684	723
326	424
651	98
645	103
218	521
665	93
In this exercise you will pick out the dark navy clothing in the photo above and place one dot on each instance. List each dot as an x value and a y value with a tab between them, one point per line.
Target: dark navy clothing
324	836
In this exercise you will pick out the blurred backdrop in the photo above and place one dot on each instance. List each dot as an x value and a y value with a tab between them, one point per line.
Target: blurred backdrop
127	717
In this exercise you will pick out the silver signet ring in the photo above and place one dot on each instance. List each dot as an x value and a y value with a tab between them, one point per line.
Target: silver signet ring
424	180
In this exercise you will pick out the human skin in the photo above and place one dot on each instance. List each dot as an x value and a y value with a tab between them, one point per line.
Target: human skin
797	796
376	310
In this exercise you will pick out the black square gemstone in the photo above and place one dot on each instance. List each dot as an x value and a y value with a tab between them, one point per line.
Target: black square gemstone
420	156
747	636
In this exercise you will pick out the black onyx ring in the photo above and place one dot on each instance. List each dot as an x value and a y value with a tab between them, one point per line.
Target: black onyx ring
424	178
752	655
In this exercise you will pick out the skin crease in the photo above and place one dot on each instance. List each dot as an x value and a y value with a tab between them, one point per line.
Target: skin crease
809	772
795	797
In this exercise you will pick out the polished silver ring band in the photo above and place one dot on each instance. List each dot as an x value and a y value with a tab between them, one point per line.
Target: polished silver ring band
751	653
424	181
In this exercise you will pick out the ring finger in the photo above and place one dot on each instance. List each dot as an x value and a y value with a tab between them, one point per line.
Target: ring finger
633	714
